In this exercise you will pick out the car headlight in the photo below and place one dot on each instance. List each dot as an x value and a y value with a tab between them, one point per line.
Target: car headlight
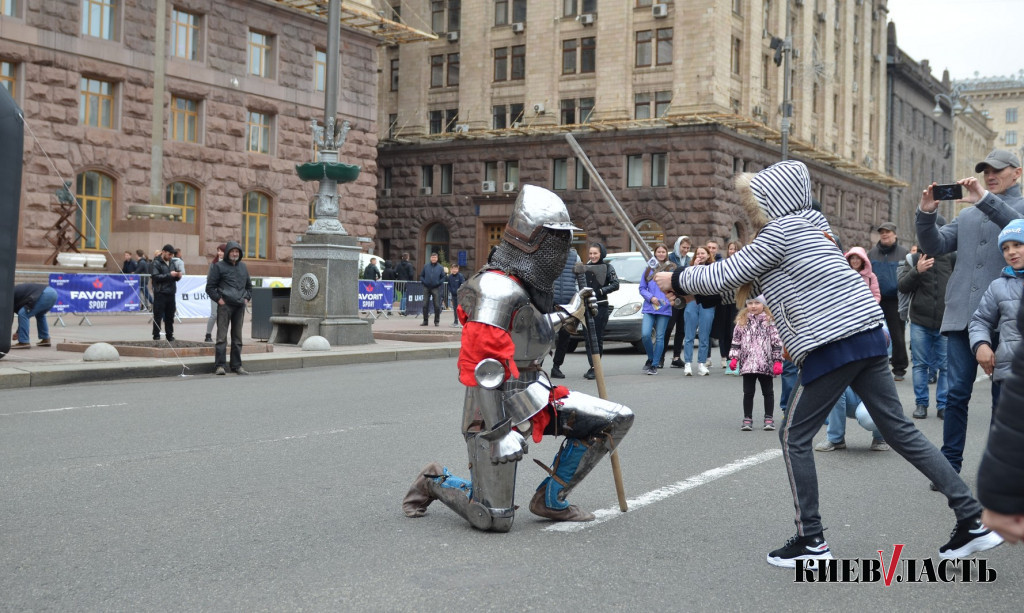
627	309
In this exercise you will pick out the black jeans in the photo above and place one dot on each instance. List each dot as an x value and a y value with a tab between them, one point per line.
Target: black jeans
677	328
561	346
432	294
233	314
163	310
600	321
767	391
891	309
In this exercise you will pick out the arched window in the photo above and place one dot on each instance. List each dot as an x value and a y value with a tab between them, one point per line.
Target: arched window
183	197
651	232
95	193
437	242
255	219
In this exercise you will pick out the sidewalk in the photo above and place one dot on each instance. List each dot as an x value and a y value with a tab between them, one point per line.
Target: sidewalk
396	338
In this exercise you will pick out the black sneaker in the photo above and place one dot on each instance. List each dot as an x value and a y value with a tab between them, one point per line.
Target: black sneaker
677	363
969	536
810	547
556	373
589	374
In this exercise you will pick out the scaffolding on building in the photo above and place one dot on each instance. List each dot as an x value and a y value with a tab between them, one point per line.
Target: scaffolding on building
383	24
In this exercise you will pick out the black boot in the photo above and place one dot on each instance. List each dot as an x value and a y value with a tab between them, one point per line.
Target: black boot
556	373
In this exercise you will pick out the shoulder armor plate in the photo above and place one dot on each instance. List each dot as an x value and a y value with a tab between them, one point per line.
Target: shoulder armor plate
492	298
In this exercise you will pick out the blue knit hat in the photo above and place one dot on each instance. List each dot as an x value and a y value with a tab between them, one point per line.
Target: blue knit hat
1014	231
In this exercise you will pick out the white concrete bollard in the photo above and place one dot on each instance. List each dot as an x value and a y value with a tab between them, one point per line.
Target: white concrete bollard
101	352
316	343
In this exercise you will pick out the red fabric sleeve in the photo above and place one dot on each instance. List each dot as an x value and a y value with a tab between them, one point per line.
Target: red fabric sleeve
481	341
542	418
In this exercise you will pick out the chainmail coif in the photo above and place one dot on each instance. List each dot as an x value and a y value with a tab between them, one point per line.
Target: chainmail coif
538	270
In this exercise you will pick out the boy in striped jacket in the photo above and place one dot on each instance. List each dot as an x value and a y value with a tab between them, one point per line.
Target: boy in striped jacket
831	327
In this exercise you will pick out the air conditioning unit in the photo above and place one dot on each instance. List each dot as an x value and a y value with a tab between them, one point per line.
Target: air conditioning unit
426	191
508	186
386	192
453	37
821	16
757	111
461	128
487	187
538	108
518	27
587	19
855	87
877	57
659	10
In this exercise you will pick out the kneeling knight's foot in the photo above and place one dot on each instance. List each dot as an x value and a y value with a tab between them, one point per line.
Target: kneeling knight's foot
569	513
418	497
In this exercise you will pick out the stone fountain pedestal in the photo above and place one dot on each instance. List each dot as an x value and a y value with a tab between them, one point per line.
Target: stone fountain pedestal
324	297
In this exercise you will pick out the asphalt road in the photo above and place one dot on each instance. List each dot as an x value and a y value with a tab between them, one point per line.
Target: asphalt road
281	492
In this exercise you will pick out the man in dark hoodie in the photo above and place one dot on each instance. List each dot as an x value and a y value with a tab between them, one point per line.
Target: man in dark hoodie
228	284
600	276
165	286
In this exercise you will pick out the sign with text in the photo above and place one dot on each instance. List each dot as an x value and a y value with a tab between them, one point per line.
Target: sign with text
191	300
95	293
376	295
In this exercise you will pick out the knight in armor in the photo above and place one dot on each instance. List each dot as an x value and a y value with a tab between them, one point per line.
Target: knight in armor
510	324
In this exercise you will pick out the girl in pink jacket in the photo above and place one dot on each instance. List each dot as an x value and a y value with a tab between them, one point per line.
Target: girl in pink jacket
757	349
858	259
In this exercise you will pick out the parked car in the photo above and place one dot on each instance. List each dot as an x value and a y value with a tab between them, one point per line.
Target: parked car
624	318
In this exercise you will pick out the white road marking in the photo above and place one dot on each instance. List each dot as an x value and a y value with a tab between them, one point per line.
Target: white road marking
88	406
603	515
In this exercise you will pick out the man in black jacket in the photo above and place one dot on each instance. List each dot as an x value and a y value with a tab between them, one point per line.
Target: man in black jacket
432	278
404	272
142	269
165	286
229	285
600	276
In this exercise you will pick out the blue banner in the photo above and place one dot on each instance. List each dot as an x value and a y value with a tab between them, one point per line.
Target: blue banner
95	293
414	298
376	295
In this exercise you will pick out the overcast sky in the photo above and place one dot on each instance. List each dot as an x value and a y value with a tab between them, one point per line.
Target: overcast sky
964	36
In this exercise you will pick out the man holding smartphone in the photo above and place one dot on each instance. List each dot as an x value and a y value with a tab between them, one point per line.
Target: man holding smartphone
974	236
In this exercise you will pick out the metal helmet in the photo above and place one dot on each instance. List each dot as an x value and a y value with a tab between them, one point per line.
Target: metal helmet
536	209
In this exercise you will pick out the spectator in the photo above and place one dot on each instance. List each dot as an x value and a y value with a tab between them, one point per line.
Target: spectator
996	316
602	278
859	261
165	286
33	300
657	312
978	263
142	269
680	256
455	281
212	319
228	284
700	316
885	257
405	273
371	272
757	352
1001	473
128	266
923	280
432	277
725	314
178	263
565	288
388	274
836	339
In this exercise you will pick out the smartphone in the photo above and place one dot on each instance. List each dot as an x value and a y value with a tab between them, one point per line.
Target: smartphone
952	191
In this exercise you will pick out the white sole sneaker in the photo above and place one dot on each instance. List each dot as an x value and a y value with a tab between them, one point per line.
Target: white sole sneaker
982	543
810	561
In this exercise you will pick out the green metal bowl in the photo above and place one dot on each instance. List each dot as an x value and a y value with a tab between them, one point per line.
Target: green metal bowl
317	171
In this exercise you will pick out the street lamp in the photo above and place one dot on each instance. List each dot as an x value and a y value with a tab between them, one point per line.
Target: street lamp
953	100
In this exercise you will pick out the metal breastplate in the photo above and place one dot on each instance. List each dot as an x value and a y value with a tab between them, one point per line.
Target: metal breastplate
496	299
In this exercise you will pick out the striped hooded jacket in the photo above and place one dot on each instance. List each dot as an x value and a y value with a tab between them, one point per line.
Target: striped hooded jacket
815	296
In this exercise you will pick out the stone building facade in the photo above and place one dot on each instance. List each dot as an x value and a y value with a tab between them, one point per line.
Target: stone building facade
670	99
1001	99
86	85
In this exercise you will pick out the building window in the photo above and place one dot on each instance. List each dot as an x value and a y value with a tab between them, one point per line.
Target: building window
518	63
588	54
453	69
183	197
96	107
392	125
515	114
186	35
436	239
643	3
736	55
255	220
1011	115
559	173
659	169
7	74
446	178
512	172
501	16
643	48
437	71
389	174
498	117
95	193
99	18
586	109
437	16
664	49
258	137
427	177
641	106
184	119
491	171
634	170
454	15
662	103
435	122
569	56
394	75
451	117
319	70
582	176
568	109
501	64
571	8
261	47
651	232
737	7
1011	137
8	7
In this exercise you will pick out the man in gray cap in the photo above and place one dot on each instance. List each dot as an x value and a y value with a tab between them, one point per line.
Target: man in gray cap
886	257
974	236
